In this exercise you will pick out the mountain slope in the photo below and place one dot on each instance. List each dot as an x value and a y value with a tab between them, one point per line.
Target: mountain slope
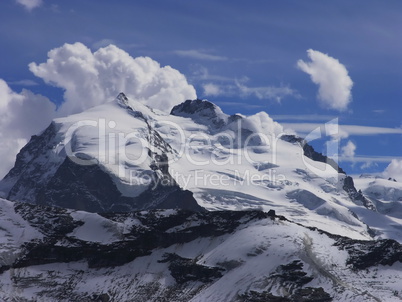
177	255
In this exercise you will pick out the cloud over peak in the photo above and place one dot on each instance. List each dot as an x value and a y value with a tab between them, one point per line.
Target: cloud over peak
21	115
92	78
331	76
394	169
88	79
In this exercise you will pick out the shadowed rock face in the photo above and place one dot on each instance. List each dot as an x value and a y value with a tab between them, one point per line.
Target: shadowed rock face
90	189
26	178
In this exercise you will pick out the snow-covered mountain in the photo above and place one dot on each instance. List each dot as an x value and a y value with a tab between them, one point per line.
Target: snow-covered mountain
125	156
123	202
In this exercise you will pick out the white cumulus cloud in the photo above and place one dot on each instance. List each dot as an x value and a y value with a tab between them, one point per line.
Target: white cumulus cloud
349	149
92	78
261	122
331	76
21	115
394	169
30	4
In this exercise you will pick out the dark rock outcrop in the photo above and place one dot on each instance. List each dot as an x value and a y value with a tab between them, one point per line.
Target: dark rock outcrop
184	270
140	241
356	196
309	151
365	254
291	277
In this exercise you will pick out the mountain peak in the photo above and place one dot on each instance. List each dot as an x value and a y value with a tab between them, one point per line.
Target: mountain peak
194	106
201	111
122	99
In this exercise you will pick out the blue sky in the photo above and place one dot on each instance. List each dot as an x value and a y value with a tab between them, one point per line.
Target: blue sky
241	55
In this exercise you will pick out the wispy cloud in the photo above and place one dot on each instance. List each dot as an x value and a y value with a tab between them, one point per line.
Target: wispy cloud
217	85
254	61
106	42
345	130
368	165
332	78
200	55
369	159
30	4
201	73
211	89
103	43
303	117
23	83
276	93
273	93
368	130
239	104
379	111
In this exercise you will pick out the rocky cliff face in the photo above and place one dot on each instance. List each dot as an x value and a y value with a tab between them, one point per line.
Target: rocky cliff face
34	164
